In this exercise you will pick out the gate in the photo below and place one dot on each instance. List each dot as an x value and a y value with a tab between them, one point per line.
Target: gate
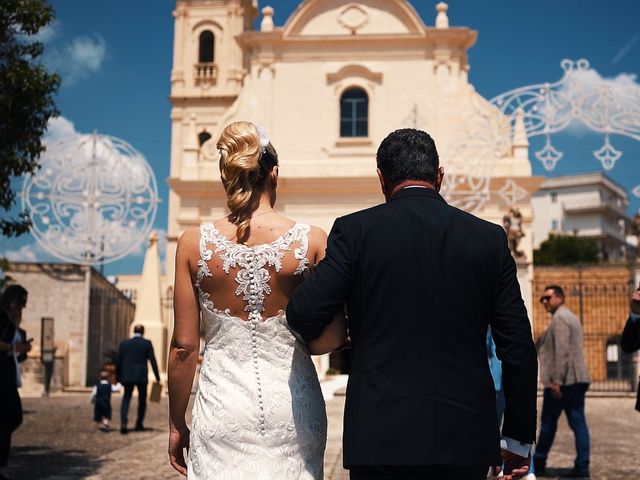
599	296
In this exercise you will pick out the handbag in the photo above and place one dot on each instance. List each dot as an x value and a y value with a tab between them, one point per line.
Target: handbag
156	392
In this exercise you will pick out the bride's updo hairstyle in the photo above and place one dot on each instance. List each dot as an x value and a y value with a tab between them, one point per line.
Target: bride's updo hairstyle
246	159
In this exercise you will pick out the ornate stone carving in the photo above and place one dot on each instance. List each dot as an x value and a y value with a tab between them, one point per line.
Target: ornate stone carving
353	17
512	224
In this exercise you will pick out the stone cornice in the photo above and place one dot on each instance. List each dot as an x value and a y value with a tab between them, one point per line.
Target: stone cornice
306	186
458	37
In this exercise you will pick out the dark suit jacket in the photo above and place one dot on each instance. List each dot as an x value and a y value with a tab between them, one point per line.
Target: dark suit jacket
10	405
630	342
131	366
422	281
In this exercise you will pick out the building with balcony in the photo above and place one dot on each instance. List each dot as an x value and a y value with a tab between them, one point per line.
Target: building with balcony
589	205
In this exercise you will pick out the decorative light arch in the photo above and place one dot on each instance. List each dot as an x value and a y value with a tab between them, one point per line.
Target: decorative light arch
580	95
93	201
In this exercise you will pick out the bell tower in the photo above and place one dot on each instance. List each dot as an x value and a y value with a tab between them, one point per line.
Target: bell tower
207	60
209	66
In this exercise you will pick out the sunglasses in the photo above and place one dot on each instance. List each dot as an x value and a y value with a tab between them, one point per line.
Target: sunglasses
546	298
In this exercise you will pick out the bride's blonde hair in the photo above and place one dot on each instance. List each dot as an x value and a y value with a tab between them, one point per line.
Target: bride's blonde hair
244	167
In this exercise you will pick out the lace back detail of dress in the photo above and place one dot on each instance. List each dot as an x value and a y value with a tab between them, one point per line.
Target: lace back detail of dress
252	262
252	277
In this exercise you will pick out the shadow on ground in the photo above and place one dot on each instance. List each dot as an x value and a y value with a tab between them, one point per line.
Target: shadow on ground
35	463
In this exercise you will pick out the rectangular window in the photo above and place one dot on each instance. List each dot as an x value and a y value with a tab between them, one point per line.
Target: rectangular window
354	120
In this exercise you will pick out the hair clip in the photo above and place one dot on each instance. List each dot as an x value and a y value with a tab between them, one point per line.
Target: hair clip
264	140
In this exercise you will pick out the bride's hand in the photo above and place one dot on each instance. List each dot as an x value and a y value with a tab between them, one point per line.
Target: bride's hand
178	441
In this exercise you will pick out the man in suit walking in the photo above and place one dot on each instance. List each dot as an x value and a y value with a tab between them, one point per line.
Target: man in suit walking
131	371
421	282
563	372
630	341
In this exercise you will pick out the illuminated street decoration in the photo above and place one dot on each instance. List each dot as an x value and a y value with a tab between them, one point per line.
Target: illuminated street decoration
94	199
581	95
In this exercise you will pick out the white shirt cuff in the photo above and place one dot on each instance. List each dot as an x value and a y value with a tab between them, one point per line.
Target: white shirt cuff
634	317
514	446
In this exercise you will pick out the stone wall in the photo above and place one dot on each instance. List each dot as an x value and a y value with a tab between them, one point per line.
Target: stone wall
58	291
91	317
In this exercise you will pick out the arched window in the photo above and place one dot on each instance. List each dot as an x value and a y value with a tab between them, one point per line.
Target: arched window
203	137
207	44
354	113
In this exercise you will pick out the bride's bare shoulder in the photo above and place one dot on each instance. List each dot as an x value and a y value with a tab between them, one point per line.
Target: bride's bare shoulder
189	239
317	239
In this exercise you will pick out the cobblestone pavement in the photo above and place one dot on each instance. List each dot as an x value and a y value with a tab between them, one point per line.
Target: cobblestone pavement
58	441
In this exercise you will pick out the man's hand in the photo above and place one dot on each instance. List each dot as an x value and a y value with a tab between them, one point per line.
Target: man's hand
555	391
23	347
634	305
515	466
178	441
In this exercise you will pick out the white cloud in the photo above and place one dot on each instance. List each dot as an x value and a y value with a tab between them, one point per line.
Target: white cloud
588	87
48	33
60	128
79	59
26	253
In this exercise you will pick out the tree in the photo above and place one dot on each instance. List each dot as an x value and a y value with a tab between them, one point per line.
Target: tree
26	100
566	250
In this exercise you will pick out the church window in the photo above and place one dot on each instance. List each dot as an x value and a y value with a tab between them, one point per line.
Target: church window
354	113
203	137
207	44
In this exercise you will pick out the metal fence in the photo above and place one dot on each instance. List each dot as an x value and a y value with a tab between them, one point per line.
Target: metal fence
599	296
110	317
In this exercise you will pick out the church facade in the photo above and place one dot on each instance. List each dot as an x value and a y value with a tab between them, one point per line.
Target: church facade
327	87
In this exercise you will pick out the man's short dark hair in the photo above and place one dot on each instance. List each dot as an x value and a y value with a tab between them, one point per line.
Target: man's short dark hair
557	289
139	329
11	294
408	154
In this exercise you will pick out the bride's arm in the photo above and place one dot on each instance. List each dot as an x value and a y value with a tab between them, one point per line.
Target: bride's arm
334	335
183	352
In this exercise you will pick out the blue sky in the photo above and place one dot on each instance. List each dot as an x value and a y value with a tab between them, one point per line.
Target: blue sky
115	59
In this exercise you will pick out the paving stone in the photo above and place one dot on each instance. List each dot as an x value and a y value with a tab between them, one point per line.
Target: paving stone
58	441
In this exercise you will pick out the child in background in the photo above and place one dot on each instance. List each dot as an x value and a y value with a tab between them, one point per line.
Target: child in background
101	399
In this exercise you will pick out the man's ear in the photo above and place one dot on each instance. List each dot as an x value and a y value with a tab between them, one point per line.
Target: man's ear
439	178
382	182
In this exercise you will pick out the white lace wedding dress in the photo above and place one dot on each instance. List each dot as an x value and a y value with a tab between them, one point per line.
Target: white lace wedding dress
259	413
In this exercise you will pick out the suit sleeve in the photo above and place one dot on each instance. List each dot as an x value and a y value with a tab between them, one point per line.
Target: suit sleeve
514	347
630	341
152	358
320	297
561	355
119	363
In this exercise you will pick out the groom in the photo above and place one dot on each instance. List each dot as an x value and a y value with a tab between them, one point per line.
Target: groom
421	281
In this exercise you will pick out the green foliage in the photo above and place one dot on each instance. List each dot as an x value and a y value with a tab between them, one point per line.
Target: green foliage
26	100
566	250
5	279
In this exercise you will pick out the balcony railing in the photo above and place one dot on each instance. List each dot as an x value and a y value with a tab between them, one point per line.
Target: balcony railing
588	206
206	72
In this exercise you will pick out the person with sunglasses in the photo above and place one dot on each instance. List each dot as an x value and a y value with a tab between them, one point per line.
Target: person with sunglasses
565	377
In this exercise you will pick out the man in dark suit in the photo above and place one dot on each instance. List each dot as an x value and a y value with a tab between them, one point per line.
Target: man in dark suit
131	371
421	282
630	341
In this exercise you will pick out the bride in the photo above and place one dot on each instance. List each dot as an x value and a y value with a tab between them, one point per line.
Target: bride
259	411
